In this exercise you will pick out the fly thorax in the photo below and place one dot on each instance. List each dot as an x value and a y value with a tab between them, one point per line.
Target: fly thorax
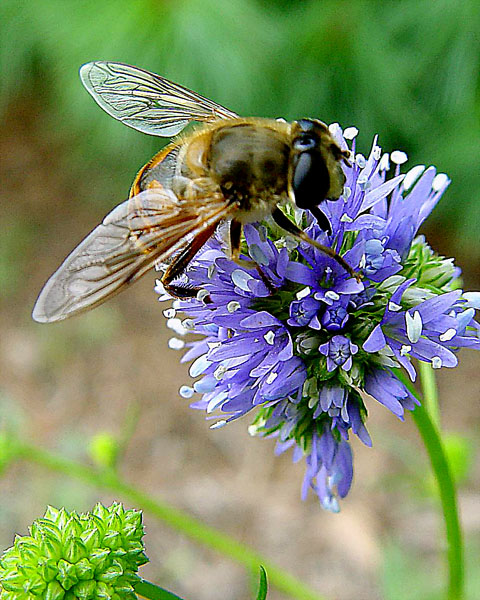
250	164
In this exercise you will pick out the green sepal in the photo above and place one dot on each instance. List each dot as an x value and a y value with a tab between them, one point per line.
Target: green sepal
51	513
73	528
134	519
124	588
84	569
91	538
47	567
132	577
66	574
43	529
28	549
103	591
112	540
134	548
99	558
54	591
62	520
101	511
53	548
85	590
74	550
33	582
12	581
112	573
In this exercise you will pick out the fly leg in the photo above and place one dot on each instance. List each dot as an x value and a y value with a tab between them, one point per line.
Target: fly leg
235	240
284	222
180	263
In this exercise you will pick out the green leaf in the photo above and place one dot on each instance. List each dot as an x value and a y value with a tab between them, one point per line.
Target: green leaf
262	585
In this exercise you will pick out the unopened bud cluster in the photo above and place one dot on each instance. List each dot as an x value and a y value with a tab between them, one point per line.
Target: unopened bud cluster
92	556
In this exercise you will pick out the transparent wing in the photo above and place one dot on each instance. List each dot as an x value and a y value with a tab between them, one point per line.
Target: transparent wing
151	226
145	101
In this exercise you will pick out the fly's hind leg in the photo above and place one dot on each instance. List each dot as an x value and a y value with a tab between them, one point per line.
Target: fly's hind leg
284	222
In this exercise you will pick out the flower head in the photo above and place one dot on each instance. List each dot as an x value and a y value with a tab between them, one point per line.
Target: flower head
305	344
66	555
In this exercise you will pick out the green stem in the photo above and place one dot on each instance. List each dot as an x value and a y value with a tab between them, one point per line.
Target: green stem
430	435
177	519
429	391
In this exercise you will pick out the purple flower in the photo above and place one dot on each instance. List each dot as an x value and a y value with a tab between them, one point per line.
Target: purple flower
301	344
339	351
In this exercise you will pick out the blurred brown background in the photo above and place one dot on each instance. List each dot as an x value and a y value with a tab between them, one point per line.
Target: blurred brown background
406	70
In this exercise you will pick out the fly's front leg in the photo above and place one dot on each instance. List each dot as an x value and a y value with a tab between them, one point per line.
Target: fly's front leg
284	222
194	189
235	239
235	242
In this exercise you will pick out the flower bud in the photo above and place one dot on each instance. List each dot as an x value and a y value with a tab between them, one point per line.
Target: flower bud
92	555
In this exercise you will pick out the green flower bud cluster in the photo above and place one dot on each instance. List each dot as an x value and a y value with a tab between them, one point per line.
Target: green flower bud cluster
92	556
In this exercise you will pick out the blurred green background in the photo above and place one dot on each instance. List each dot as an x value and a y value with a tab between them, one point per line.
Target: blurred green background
407	70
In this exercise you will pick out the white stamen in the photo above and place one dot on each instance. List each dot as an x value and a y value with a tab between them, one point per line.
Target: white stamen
176	326
188	324
331	295
350	133
448	335
176	344
159	288
212	345
303	293
414	326
220	372
473	299
269	337
258	255
363	262
186	391
241	278
394	307
199	365
218	424
377	152
347	192
364	184
169	313
233	306
346	218
360	160
177	304
271	378
398	157
439	182
436	362
309	343
202	294
211	270
384	164
405	349
412	176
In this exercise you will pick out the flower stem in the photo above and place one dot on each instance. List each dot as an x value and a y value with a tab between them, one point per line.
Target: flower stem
431	437
175	518
429	390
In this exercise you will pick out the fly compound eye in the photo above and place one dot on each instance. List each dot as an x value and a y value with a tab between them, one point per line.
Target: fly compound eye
305	142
